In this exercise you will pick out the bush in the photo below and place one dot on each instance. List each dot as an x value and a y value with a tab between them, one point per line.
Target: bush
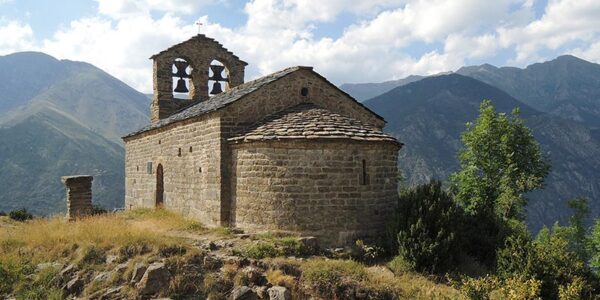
517	257
517	288
20	215
261	250
399	265
98	210
328	275
479	288
427	228
556	264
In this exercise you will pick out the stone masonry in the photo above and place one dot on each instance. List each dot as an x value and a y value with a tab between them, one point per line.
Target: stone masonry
199	52
287	151
79	195
323	192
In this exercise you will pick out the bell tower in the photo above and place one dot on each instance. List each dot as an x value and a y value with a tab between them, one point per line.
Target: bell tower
191	72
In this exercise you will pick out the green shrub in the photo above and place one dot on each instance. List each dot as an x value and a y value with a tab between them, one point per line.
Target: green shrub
517	257
20	215
368	253
399	265
575	290
518	288
326	276
479	288
556	264
427	228
261	250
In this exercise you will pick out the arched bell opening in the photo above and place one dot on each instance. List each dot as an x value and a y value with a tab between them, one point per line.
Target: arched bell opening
182	79
218	78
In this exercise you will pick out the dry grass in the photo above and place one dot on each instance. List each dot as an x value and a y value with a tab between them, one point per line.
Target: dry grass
49	239
161	220
409	285
277	277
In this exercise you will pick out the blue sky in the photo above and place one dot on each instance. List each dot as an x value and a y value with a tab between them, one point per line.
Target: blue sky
345	40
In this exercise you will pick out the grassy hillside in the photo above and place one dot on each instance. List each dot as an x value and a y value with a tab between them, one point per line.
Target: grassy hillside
100	256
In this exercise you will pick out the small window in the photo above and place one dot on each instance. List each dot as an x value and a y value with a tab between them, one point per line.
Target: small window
190	149
304	92
364	172
200	170
137	168
159	142
149	167
179	152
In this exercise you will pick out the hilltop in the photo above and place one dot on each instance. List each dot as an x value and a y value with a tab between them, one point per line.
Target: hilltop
146	253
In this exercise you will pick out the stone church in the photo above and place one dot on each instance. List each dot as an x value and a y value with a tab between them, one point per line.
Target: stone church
288	151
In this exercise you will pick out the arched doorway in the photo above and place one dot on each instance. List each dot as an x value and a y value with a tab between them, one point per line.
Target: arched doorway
160	187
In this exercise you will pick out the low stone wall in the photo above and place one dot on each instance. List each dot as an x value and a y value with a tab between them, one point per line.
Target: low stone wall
79	195
336	191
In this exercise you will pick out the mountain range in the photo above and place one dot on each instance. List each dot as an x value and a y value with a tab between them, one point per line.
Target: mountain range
60	117
428	115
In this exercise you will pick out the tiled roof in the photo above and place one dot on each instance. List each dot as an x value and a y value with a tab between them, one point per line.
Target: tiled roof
219	100
307	121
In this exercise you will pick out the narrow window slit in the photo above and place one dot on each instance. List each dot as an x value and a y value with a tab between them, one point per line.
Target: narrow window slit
364	172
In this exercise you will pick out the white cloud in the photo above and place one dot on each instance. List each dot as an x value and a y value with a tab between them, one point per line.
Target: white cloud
591	53
15	36
280	33
563	22
124	8
122	47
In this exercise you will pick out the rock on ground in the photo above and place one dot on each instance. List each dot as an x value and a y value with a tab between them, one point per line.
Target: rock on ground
155	279
279	293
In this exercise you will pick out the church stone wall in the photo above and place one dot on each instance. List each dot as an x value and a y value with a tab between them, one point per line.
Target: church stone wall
286	92
190	155
315	188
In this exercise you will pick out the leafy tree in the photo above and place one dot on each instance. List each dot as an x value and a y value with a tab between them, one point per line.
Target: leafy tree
427	228
500	162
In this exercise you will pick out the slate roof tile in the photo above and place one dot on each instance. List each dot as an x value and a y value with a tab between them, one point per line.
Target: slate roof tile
309	121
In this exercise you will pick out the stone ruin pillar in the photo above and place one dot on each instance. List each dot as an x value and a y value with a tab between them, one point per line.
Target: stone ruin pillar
79	195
